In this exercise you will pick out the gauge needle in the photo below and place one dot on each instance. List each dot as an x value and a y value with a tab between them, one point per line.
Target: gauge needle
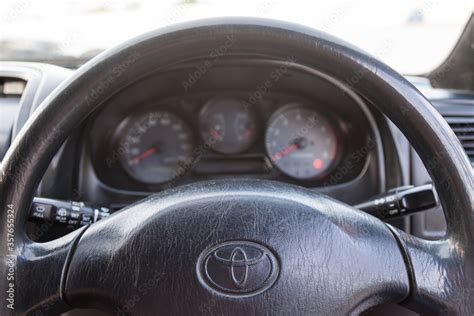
215	133
143	155
246	134
285	151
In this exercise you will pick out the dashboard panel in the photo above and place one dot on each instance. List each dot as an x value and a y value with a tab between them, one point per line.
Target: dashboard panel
296	127
371	154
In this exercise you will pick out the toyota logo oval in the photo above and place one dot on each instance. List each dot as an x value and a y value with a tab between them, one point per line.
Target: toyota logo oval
238	268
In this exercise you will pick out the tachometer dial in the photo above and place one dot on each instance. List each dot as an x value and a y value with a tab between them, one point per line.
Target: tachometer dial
228	126
301	143
157	147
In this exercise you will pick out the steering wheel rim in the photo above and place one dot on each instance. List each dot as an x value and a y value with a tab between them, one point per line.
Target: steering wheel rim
451	259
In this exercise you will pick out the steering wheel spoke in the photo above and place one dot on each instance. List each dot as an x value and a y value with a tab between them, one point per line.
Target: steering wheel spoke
432	264
38	273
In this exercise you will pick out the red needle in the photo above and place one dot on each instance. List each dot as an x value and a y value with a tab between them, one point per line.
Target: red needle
246	133
143	155
215	134
286	151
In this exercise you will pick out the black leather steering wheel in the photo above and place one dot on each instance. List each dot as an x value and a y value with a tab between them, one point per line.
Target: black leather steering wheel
243	246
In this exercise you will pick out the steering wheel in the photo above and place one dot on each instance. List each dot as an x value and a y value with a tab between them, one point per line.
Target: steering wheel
241	246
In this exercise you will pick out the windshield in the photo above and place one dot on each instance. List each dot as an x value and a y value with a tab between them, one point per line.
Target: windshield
412	36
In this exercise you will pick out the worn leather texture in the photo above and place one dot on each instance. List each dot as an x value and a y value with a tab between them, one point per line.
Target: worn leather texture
434	276
333	260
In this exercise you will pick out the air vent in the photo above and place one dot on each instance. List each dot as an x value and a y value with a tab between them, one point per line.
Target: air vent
11	90
11	86
463	127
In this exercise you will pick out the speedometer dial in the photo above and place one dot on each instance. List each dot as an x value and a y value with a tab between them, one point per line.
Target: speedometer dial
157	147
301	143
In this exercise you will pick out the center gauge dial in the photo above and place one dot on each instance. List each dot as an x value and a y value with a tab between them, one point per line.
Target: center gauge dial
228	125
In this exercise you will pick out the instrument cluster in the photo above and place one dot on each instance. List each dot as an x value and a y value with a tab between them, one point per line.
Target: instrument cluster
238	121
154	145
158	145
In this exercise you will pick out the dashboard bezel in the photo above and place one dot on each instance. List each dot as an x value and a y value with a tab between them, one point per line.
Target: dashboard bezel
370	170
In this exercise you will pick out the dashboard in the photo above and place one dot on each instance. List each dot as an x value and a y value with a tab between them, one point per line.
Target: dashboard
239	118
222	124
295	127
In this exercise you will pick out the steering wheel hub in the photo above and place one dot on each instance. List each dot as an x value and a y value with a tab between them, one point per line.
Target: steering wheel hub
245	245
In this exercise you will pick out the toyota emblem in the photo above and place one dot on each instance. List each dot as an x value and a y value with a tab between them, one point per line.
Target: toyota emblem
238	268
